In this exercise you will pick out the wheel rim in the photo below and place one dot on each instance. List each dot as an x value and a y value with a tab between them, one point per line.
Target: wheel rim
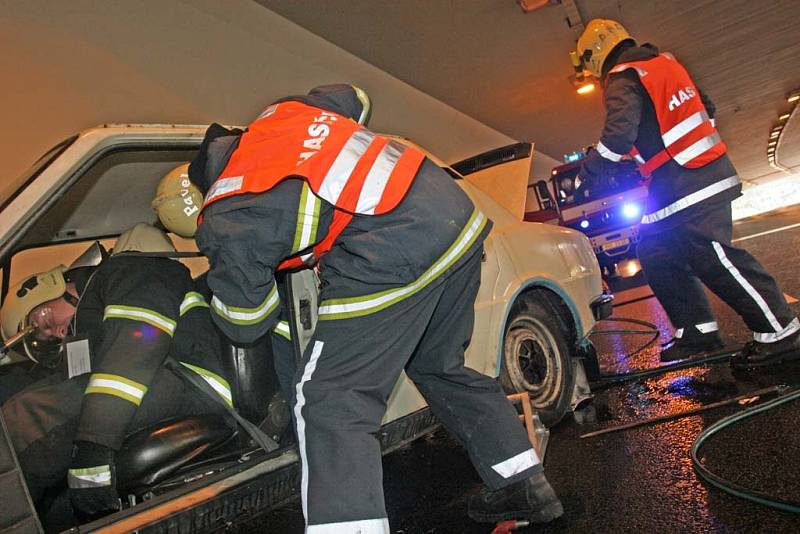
533	360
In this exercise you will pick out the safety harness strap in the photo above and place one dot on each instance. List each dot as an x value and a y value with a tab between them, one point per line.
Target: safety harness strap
340	221
264	441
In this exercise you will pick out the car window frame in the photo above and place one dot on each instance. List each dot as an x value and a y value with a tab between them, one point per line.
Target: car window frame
9	249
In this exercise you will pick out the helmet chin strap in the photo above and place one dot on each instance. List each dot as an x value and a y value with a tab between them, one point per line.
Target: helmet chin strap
71	299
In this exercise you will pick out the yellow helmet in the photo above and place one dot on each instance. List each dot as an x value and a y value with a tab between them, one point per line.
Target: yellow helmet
143	238
178	202
596	42
28	294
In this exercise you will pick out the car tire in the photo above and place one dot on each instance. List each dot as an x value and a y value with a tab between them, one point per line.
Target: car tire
537	359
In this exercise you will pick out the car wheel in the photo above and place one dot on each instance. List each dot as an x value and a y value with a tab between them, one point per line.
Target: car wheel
536	359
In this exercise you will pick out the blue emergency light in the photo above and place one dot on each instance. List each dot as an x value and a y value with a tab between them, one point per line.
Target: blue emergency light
575	156
631	210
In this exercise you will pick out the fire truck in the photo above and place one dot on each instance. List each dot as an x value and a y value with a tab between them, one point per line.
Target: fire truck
607	212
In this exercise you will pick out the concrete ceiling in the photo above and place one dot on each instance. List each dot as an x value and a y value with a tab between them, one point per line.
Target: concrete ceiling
509	69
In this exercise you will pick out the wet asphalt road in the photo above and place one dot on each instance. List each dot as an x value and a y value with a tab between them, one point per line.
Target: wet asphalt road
639	480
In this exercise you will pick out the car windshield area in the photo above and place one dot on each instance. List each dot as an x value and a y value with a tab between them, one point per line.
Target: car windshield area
572	191
13	187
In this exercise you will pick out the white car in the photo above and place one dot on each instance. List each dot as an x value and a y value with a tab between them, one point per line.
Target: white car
540	295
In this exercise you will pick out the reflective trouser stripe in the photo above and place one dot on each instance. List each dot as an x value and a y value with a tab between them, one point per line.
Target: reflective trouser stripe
134	313
89	477
363	526
117	386
301	423
307	219
689	200
747	286
706	328
517	464
220	385
192	299
247	316
772	337
364	305
703	328
282	329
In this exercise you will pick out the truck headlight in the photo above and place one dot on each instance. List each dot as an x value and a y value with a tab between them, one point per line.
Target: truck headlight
631	210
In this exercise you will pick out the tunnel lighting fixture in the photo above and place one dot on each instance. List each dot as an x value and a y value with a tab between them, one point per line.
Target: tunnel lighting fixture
784	116
775	133
772	143
582	83
794	97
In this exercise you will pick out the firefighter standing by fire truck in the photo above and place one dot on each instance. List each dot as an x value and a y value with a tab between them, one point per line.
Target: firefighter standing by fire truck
402	249
656	114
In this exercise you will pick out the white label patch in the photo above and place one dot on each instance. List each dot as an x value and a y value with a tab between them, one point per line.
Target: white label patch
79	360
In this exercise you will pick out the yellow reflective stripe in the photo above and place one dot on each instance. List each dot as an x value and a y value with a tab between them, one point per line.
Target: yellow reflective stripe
192	299
364	305
117	311
118	386
307	219
247	316
220	385
89	477
282	329
365	103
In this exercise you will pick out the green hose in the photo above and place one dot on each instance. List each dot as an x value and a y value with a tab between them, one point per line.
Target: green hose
732	487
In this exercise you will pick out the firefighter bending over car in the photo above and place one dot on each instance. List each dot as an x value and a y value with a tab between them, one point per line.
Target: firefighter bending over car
656	115
398	246
134	311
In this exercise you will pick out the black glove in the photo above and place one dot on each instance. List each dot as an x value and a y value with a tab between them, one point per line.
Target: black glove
92	478
595	170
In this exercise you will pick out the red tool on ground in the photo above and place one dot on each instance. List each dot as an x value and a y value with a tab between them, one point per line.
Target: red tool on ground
507	526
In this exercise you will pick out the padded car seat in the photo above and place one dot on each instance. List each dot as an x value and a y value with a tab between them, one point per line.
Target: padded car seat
152	455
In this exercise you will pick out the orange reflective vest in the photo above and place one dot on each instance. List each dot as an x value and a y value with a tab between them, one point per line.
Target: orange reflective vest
688	134
345	164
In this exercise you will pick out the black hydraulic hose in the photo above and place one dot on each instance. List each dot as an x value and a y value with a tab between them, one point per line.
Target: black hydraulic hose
651	329
619	378
705	473
727	485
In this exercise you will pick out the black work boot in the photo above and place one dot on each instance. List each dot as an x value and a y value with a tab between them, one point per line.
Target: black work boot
532	499
755	354
686	347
